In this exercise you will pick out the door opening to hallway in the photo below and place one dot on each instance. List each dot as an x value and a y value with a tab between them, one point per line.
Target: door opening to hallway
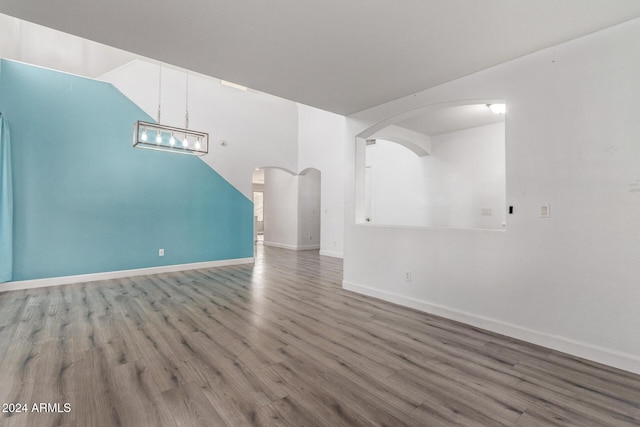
287	208
258	204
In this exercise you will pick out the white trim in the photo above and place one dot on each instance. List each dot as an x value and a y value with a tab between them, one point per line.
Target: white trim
82	278
104	76
617	359
54	69
291	247
279	245
308	247
147	60
332	254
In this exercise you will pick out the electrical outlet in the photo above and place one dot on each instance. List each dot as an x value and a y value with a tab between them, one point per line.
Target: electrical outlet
486	212
407	276
545	210
160	252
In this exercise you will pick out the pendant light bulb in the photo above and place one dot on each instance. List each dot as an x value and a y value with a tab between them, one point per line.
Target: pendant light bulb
185	142
172	141
143	137
158	137
198	143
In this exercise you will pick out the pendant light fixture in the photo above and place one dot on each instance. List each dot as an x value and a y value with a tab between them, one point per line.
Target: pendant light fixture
156	136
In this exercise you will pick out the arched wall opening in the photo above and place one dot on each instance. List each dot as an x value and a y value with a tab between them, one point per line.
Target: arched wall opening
437	166
290	214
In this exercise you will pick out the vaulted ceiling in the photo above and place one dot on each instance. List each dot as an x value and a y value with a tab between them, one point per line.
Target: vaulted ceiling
339	55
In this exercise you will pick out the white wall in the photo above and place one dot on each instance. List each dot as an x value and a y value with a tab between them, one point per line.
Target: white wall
259	129
570	281
450	188
321	146
309	192
398	185
280	209
466	174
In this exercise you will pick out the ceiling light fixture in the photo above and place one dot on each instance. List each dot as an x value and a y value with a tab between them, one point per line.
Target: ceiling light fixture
497	108
193	142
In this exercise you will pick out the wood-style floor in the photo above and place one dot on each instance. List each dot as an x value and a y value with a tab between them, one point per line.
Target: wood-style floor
280	343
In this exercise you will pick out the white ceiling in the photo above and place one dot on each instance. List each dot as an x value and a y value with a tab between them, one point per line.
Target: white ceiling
339	55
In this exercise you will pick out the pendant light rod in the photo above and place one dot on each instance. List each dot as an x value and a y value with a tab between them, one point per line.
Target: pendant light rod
159	90
186	111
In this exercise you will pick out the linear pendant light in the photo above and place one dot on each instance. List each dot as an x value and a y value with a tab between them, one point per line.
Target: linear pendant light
156	136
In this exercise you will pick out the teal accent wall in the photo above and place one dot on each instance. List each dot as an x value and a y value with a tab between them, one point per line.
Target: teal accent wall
85	201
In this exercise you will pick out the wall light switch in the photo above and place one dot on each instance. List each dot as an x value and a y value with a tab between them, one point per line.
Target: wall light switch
160	252
545	210
407	276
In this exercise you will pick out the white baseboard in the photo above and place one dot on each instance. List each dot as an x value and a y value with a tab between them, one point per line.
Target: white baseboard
291	247
279	245
616	359
308	247
82	278
332	254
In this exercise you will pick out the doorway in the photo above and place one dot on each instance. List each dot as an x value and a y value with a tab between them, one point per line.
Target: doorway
257	183
287	208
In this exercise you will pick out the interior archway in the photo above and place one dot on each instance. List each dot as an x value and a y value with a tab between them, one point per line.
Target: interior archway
451	176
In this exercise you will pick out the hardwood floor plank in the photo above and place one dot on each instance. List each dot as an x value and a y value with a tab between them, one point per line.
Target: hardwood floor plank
189	407
234	407
582	382
363	400
440	390
317	398
96	396
138	400
292	413
245	378
55	375
535	416
574	402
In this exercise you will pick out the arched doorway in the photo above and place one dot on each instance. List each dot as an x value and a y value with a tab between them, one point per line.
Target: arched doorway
287	208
